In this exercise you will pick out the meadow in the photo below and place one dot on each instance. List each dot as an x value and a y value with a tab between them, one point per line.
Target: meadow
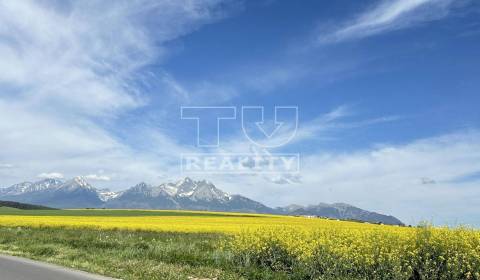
141	244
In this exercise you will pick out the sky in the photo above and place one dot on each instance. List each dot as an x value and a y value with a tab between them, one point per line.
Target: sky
387	97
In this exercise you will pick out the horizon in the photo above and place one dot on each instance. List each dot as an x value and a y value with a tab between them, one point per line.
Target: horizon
373	104
279	210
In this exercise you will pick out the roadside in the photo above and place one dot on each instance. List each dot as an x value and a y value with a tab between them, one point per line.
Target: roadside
16	268
121	254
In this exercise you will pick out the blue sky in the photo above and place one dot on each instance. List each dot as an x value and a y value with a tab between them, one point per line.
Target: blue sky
387	95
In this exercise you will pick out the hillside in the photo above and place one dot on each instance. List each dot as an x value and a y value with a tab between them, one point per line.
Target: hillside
23	206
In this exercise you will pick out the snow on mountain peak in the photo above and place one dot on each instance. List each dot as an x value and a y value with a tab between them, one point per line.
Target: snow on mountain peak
79	180
185	188
186	185
45	184
106	195
170	188
196	190
140	188
16	189
75	184
27	187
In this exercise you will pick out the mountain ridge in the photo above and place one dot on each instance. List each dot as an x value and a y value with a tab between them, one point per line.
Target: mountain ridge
185	194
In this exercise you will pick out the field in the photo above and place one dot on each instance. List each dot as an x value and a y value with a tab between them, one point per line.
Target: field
176	221
132	244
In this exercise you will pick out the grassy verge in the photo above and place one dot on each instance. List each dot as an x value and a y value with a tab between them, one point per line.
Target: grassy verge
130	254
122	254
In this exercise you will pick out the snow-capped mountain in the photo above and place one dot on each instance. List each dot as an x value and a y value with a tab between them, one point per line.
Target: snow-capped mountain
143	196
16	189
184	194
27	187
45	184
75	193
195	190
76	184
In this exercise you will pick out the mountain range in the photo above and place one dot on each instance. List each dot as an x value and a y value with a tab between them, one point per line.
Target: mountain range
185	194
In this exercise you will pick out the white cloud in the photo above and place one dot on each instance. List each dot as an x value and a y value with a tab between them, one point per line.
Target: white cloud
6	166
388	16
97	177
52	175
282	179
385	178
70	73
82	56
202	92
321	128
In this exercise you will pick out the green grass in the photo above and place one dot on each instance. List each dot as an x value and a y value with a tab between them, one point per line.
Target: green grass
122	254
128	254
131	255
7	210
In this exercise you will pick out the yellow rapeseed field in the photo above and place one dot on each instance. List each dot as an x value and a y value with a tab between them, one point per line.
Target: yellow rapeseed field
374	252
316	247
226	223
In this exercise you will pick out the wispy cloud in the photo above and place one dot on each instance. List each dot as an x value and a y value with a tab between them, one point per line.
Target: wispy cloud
201	92
387	16
368	178
326	126
6	166
72	71
51	175
97	177
321	129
